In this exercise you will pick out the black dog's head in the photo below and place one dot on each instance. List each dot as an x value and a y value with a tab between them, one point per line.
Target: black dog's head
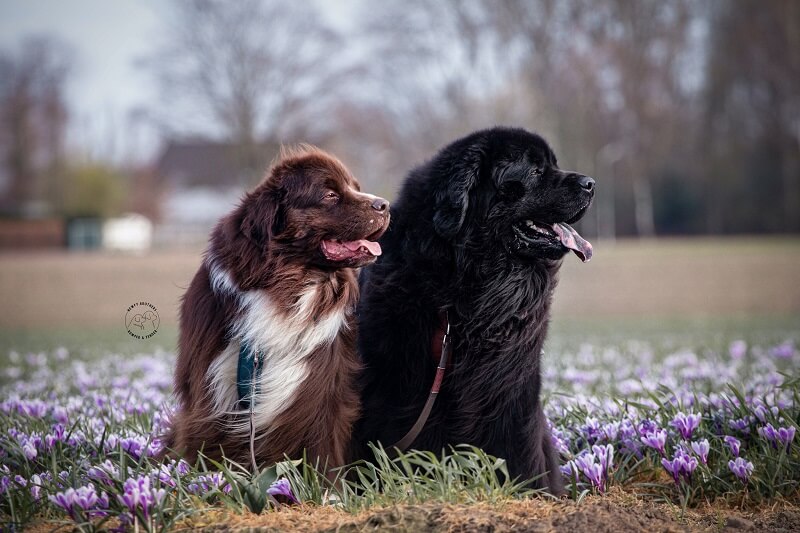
503	186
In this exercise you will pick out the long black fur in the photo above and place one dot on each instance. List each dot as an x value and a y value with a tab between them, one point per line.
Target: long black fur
450	246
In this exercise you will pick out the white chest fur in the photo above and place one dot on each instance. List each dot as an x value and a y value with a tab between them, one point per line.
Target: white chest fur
282	340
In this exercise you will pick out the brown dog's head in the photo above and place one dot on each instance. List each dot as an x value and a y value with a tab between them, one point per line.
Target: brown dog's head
309	210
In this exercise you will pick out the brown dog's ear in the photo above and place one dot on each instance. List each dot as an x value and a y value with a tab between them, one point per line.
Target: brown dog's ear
263	217
451	199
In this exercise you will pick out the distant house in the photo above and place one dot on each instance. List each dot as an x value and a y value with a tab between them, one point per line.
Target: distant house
200	181
187	164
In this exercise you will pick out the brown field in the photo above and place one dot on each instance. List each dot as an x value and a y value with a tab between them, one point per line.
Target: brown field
664	278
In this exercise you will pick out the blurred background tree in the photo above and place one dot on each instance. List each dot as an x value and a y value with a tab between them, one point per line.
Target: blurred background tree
94	190
687	113
33	121
254	70
751	117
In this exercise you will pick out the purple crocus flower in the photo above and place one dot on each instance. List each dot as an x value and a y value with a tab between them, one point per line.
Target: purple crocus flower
140	496
768	432
784	350
281	490
629	439
59	431
134	446
741	468
786	436
60	415
181	467
104	473
611	430
686	424
780	436
569	469
673	467
688	466
656	439
81	500
734	444
681	466
32	408
36	487
29	450
737	349
206	483
64	500
701	448
762	412
164	475
740	424
595	465
648	426
594	473
586	463
560	443
605	454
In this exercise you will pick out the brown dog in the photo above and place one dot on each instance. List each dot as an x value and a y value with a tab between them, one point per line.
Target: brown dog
275	297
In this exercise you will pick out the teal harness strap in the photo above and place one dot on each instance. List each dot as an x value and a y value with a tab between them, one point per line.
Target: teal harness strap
248	369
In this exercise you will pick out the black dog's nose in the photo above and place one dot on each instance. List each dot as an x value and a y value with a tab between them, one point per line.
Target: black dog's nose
586	183
379	204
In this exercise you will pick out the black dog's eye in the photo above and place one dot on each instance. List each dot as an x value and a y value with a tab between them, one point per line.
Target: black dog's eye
331	196
537	172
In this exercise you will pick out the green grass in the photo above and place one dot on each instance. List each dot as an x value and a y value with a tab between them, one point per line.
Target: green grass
671	333
84	343
566	334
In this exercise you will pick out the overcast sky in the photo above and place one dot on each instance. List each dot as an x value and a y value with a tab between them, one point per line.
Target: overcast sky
108	37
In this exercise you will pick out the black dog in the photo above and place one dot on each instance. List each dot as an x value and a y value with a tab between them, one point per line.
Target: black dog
476	238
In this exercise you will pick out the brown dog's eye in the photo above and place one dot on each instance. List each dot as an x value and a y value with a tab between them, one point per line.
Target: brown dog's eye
331	196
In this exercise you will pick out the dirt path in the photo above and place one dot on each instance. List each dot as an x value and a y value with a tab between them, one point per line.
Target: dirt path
630	278
619	513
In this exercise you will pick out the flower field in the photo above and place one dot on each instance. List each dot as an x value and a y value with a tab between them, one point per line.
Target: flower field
709	423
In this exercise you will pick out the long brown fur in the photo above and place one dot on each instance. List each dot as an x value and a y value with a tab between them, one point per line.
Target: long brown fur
271	243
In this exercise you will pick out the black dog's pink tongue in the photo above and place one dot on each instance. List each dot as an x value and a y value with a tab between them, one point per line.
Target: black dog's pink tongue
570	238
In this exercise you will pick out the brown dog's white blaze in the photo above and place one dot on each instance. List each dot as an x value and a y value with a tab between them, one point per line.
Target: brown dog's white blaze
267	281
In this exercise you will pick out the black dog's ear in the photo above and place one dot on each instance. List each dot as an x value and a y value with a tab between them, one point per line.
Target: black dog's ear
263	216
451	199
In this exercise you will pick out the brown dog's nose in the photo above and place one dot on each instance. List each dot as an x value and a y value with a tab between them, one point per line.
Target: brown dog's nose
379	204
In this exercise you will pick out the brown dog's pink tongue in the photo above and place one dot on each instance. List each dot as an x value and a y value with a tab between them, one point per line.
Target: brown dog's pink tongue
570	238
373	247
